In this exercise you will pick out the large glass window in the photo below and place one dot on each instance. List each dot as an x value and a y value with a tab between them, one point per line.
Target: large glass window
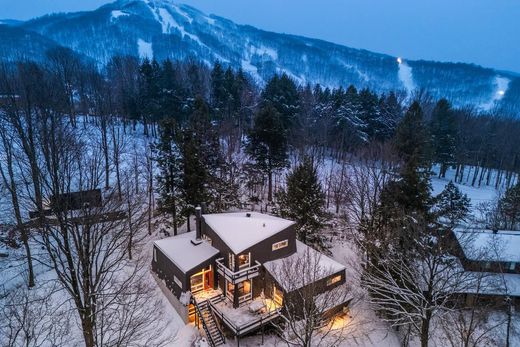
244	260
277	296
197	282
244	291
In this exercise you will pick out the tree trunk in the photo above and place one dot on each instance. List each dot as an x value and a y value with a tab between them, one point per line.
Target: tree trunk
425	330
270	186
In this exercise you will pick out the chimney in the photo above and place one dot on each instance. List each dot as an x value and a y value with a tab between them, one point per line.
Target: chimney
198	222
248	215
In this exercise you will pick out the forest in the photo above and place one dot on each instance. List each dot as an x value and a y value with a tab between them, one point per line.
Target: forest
160	138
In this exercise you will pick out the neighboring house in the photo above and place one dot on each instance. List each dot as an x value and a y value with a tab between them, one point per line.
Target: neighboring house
492	257
225	274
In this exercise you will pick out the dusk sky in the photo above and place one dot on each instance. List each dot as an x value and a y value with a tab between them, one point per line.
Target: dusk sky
485	32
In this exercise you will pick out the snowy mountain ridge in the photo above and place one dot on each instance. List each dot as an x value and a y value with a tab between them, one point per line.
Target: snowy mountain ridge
163	29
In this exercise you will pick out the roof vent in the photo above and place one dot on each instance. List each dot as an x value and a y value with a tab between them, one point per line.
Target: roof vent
248	215
264	225
495	230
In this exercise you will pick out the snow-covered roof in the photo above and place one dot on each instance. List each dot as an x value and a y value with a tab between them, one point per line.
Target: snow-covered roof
183	253
304	267
486	245
491	283
240	232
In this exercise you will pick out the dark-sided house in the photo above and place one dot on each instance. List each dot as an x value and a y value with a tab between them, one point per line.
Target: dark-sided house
224	276
492	257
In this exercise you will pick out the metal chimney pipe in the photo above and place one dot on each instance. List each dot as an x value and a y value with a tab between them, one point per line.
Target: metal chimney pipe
198	222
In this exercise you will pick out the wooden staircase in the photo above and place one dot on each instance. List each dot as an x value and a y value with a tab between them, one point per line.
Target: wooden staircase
209	323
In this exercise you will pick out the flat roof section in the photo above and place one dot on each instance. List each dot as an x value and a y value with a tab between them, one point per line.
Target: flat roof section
184	253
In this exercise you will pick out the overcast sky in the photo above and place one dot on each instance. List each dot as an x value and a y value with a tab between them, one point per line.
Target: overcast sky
485	32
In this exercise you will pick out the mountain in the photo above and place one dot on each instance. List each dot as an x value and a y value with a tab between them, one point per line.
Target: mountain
162	29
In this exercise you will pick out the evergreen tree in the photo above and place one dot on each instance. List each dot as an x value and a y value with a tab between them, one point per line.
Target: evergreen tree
406	201
267	143
282	94
200	158
444	135
219	94
169	179
412	192
303	201
371	115
509	207
451	205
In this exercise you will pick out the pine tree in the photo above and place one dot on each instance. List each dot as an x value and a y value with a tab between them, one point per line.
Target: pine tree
267	143
169	179
303	201
412	191
452	205
406	201
282	94
200	158
509	207
444	135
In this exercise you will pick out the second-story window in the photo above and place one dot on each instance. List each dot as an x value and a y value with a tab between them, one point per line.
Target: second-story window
244	260
281	244
332	280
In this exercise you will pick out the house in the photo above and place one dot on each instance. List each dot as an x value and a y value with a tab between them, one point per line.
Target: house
224	276
492	258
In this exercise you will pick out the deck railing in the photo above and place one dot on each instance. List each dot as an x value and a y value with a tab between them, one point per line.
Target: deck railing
238	276
240	330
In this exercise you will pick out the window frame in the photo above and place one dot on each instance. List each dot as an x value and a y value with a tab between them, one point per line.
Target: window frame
280	244
246	265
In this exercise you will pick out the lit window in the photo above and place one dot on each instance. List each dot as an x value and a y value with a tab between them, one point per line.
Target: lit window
244	291
197	282
244	260
177	281
332	280
512	266
277	296
281	244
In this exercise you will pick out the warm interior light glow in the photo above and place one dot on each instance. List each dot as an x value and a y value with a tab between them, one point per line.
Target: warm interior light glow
399	60
501	92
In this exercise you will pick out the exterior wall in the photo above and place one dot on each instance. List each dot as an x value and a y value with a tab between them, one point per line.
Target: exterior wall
319	287
263	252
174	301
166	269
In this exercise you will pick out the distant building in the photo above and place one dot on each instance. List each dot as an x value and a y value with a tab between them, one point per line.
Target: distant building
226	271
493	256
